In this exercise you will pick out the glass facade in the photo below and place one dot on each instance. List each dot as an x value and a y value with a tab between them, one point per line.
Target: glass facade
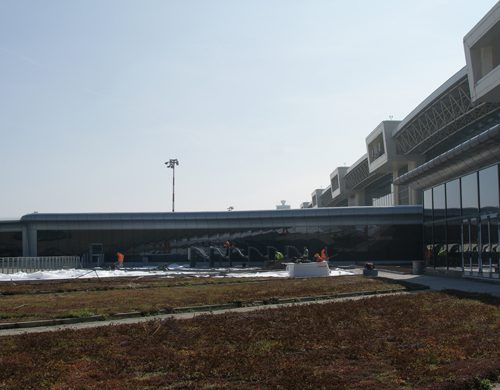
439	250
428	205
439	202
461	223
495	242
428	248
488	190
454	243
453	200
470	197
343	242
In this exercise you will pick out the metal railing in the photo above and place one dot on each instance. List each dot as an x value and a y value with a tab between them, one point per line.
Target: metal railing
9	265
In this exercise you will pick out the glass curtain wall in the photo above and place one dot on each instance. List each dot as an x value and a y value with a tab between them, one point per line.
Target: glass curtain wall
461	223
453	225
359	243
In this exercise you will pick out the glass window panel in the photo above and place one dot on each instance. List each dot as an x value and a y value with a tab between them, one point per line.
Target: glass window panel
470	202
440	250
453	198
428	205
488	190
439	201
466	246
454	244
474	235
485	249
495	249
471	246
428	245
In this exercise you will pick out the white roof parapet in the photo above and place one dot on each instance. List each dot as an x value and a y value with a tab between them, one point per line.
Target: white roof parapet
486	23
381	148
482	50
315	196
337	182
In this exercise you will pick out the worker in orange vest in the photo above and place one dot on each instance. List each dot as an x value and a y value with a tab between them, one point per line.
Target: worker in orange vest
120	257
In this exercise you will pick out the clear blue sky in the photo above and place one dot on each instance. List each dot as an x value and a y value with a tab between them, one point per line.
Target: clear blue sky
259	100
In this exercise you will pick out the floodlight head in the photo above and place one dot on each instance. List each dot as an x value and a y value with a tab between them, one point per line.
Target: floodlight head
172	163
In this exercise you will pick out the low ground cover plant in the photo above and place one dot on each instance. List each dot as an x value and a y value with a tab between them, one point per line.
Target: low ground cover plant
23	307
98	284
419	341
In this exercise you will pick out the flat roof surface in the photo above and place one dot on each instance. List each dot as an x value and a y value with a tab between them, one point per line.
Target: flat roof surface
225	215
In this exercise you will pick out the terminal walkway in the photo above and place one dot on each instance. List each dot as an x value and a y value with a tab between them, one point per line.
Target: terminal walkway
439	283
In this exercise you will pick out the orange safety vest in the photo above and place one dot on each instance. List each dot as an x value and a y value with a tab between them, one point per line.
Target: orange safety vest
120	256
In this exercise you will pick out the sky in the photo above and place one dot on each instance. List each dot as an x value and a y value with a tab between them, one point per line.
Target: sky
258	100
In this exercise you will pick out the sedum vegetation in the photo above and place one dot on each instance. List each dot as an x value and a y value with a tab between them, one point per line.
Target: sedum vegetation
419	341
83	299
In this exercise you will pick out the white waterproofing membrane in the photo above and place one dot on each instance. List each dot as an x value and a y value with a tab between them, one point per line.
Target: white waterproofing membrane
173	270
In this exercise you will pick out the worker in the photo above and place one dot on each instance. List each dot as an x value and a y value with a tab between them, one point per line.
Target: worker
227	246
305	254
120	257
317	258
278	256
324	254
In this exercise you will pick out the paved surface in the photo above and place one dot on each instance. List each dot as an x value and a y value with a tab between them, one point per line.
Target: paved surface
438	283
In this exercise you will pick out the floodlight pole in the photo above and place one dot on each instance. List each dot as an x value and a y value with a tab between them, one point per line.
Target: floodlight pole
171	164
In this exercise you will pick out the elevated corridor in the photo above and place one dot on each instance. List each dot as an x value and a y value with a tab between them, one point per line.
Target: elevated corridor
445	113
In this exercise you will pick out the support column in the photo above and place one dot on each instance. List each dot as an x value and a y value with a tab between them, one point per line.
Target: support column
32	245
357	198
414	196
25	241
395	188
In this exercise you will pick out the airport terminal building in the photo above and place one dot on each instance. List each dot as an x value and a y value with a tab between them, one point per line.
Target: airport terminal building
443	155
357	233
427	188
